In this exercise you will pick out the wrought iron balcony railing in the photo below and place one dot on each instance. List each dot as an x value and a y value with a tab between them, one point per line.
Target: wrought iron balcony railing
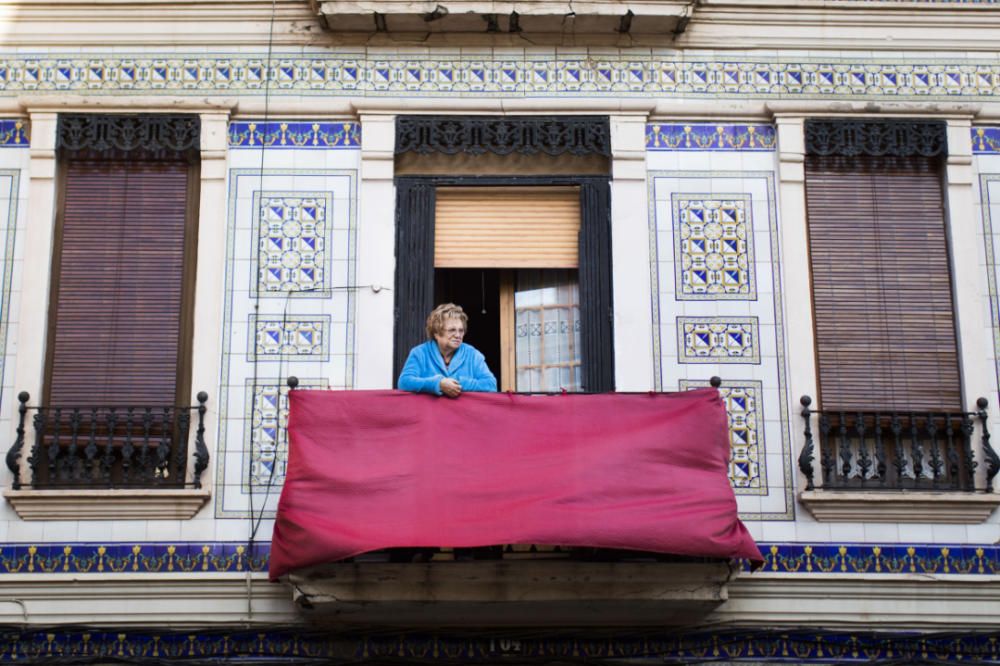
109	447
897	450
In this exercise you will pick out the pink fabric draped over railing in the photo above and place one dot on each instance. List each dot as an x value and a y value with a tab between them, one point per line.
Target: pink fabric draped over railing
381	469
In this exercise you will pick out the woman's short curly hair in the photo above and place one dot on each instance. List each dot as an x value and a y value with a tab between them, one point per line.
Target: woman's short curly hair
441	314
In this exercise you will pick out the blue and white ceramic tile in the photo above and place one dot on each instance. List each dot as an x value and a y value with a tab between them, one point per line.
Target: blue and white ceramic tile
267	438
718	340
705	137
812	560
289	310
294	135
294	241
14	133
986	140
655	73
688	349
289	337
722	647
746	421
713	247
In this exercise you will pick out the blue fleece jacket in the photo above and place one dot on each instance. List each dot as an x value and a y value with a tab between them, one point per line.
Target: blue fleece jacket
425	368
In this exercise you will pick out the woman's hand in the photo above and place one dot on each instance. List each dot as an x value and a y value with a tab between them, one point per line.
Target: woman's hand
450	387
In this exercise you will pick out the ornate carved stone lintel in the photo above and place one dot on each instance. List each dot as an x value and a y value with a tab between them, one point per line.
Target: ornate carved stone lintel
133	136
503	135
877	138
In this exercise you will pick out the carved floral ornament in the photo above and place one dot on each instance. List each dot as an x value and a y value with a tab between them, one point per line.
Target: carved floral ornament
528	135
99	134
876	138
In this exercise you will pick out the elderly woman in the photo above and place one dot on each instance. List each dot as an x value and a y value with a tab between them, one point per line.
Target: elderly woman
444	364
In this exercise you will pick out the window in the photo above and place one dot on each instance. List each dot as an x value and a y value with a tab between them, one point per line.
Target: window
546	355
528	257
118	352
887	359
520	247
885	330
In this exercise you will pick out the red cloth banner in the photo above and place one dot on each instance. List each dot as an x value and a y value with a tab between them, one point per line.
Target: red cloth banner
380	469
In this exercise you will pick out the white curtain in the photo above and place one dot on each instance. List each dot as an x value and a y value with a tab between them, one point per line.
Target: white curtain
547	326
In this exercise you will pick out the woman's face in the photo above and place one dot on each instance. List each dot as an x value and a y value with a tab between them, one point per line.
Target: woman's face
450	337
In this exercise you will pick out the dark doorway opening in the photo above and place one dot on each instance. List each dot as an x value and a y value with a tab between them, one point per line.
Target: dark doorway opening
477	290
415	293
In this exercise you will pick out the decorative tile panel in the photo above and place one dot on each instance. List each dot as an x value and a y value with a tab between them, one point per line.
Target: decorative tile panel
302	645
185	558
281	222
14	133
267	404
707	137
702	329
132	558
746	418
880	558
289	337
293	240
718	340
623	72
713	245
721	646
294	135
986	140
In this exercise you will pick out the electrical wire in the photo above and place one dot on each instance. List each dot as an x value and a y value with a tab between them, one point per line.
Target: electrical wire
255	383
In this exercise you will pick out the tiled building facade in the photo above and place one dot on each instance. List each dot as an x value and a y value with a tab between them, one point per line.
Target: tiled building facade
296	264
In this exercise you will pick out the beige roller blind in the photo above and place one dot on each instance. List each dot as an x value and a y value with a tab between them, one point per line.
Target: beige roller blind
506	227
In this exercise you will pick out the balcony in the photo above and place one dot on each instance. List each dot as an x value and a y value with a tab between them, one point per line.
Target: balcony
899	466
393	502
107	462
442	23
518	586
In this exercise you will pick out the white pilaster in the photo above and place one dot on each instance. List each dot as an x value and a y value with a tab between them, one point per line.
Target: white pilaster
799	336
376	252
206	352
630	254
37	266
969	280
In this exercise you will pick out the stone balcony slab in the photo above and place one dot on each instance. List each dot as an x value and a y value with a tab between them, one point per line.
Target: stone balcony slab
549	593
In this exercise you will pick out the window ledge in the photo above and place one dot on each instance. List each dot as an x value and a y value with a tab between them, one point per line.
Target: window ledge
902	506
86	504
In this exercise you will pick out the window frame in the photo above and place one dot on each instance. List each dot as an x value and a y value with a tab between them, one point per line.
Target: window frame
414	288
207	150
896	137
127	144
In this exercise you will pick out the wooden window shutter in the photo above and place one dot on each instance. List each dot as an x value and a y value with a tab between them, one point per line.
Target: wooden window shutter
414	266
507	227
596	306
117	320
884	317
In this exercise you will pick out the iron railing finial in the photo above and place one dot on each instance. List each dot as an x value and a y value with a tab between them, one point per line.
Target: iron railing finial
14	455
806	455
